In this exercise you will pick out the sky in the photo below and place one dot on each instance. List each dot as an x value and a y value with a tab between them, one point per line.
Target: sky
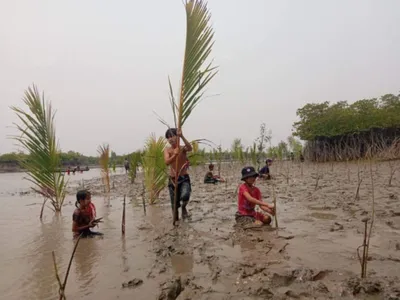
104	65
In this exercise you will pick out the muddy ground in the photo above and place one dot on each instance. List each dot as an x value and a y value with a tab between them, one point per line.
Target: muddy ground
312	255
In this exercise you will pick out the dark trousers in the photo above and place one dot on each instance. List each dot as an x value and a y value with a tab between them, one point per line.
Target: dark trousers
184	190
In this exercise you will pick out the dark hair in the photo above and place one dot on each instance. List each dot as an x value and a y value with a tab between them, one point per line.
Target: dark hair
82	195
210	166
170	133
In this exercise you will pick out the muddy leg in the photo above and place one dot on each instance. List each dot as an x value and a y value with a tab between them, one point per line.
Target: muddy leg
171	189
185	190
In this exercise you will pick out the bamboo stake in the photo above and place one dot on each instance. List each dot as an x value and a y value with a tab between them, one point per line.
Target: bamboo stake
274	201
123	218
143	199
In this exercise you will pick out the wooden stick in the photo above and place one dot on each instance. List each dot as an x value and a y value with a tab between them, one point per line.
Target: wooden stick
123	218
274	199
70	261
61	286
41	211
143	199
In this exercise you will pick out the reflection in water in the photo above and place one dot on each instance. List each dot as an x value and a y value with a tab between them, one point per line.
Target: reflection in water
154	214
42	278
86	256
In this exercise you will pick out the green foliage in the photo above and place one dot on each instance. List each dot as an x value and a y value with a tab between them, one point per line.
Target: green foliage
199	42
104	161
253	155
294	144
237	150
282	149
38	138
154	167
218	156
341	118
273	152
135	161
196	156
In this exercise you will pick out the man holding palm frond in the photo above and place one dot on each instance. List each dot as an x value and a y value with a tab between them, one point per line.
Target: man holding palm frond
176	156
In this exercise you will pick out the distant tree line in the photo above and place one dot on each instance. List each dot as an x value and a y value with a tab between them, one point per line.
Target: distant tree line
342	131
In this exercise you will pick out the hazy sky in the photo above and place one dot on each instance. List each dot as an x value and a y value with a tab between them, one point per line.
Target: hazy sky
104	64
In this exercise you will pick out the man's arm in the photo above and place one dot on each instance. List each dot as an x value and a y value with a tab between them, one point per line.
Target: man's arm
188	146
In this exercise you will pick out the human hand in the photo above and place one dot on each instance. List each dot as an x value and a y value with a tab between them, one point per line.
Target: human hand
268	208
92	224
176	151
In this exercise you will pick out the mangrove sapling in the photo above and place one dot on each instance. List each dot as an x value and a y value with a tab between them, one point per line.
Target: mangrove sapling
62	285
195	77
359	181
287	172
38	138
363	259
318	175
393	169
104	160
372	215
253	155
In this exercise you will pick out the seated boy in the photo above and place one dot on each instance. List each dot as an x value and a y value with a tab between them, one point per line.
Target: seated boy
250	196
264	172
210	177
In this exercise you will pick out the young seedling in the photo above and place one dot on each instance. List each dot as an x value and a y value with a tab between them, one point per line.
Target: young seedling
359	181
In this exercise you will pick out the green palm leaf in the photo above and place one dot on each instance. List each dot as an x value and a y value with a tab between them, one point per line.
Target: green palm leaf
195	77
104	160
155	170
38	138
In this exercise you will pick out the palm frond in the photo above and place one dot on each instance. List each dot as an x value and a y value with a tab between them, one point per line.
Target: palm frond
155	170
104	160
195	76
38	138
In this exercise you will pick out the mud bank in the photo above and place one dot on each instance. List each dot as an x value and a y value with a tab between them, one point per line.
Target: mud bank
311	256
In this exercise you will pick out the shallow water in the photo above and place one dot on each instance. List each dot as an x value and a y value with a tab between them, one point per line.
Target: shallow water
319	229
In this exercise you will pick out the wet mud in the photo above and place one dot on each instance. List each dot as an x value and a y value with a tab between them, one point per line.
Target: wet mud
312	255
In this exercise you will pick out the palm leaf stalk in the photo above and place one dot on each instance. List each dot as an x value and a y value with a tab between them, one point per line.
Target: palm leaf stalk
104	160
155	170
195	74
38	138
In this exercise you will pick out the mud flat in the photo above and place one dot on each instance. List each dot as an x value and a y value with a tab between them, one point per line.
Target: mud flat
311	256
